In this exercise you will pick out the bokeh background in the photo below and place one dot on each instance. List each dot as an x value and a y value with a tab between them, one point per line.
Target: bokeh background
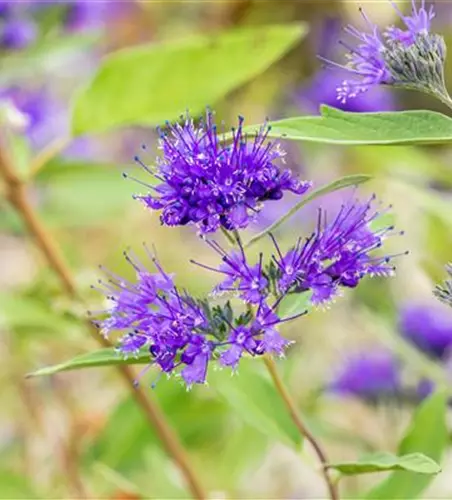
357	370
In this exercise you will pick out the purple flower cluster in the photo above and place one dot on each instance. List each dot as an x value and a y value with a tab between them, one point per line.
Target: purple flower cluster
17	29
428	327
339	253
179	331
368	375
215	184
211	183
368	61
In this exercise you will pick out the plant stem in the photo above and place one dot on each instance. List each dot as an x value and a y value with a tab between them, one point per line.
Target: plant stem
304	431
17	196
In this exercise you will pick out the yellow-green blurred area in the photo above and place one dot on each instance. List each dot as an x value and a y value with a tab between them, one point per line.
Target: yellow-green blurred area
80	434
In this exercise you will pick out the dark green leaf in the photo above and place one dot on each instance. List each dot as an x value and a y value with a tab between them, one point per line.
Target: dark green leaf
427	434
380	462
149	84
345	128
343	182
254	398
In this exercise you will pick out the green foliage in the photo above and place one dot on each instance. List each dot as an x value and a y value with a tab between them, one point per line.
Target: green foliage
81	194
427	434
13	485
348	128
381	462
149	84
101	357
253	398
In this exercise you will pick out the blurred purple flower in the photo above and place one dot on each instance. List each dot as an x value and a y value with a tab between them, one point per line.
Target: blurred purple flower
91	14
45	117
17	33
17	28
428	327
369	375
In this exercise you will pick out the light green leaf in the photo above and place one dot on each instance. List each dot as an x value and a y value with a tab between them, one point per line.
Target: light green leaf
345	128
149	84
78	193
101	357
27	314
380	462
427	434
343	182
254	399
294	303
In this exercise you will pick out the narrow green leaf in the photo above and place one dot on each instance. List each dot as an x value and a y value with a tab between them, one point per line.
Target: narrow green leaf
254	399
102	357
149	84
380	462
346	128
427	434
343	182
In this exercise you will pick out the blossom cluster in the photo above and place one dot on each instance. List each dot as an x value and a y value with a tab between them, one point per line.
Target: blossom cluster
180	332
339	253
183	334
205	180
409	56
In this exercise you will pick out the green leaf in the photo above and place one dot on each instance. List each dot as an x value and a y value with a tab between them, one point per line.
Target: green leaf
380	462
293	304
149	84
254	399
343	182
17	486
427	434
345	128
28	314
101	357
78	193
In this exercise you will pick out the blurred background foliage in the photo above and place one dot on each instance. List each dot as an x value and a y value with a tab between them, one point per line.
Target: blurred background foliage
74	126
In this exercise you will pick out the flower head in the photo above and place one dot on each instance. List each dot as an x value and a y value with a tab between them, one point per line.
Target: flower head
212	184
339	253
183	334
369	375
410	56
428	327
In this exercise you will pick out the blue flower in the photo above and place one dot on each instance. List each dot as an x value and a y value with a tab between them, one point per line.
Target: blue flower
368	375
409	56
183	334
339	253
428	327
205	181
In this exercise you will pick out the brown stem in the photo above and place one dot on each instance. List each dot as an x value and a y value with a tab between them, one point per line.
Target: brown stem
304	431
17	196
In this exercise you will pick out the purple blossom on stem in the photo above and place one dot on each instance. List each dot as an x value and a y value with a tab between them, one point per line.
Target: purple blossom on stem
428	327
205	181
380	56
182	334
369	375
248	280
338	253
